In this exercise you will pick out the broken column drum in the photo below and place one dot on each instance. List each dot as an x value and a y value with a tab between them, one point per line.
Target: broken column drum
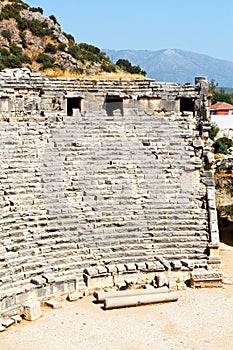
101	180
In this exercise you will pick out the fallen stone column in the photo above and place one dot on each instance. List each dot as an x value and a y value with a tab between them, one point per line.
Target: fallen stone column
101	296
136	300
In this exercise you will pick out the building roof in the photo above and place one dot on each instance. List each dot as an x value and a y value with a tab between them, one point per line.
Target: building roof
221	105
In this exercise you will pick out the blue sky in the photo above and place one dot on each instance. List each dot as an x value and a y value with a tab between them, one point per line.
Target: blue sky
202	26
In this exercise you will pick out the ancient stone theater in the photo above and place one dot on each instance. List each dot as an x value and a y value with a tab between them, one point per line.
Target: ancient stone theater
102	181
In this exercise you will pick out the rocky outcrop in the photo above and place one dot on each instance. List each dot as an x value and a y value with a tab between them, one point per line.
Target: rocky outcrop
25	34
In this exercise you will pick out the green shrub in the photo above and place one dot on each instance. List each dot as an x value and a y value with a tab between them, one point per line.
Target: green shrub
61	47
222	145
53	18
22	24
26	59
37	9
45	60
2	66
10	11
6	34
38	28
75	51
108	67
4	52
15	50
14	62
50	48
23	39
70	38
90	48
21	3
225	211
77	71
214	129
127	66
13	58
15	249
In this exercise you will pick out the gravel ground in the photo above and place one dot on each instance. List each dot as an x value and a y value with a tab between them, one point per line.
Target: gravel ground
202	319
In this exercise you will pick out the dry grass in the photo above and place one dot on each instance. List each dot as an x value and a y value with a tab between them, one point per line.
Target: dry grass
223	174
218	156
58	73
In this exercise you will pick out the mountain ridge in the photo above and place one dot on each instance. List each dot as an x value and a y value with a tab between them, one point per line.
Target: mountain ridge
177	65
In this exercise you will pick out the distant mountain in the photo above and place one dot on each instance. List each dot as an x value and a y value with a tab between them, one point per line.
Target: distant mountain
177	65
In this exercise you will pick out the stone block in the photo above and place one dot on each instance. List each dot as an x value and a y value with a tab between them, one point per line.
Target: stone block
181	286
161	280
172	286
54	304
39	281
141	266
49	278
130	267
74	296
165	263
91	271
102	270
159	266
206	278
16	318
176	265
188	263
32	311
7	322
149	286
121	268
98	282
198	143
2	328
208	181
111	268
150	266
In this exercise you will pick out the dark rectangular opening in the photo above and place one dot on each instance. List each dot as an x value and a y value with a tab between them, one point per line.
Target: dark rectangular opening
187	104
114	105
73	103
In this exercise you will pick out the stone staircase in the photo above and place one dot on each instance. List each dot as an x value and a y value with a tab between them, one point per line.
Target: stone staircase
91	199
97	190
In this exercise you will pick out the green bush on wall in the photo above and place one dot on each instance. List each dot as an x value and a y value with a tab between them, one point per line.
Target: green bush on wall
222	145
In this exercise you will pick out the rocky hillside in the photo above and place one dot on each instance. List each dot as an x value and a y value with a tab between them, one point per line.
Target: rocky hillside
28	38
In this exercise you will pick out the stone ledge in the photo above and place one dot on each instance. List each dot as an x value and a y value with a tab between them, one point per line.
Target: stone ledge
147	266
203	278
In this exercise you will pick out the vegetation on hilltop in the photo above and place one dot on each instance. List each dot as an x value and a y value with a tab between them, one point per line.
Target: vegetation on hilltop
128	67
28	38
219	95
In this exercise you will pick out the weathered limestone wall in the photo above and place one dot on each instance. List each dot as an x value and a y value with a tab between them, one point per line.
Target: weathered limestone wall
94	195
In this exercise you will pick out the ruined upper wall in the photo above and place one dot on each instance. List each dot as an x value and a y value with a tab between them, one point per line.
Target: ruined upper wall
22	91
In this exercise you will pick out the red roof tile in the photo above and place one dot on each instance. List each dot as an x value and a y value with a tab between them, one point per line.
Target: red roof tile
221	105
